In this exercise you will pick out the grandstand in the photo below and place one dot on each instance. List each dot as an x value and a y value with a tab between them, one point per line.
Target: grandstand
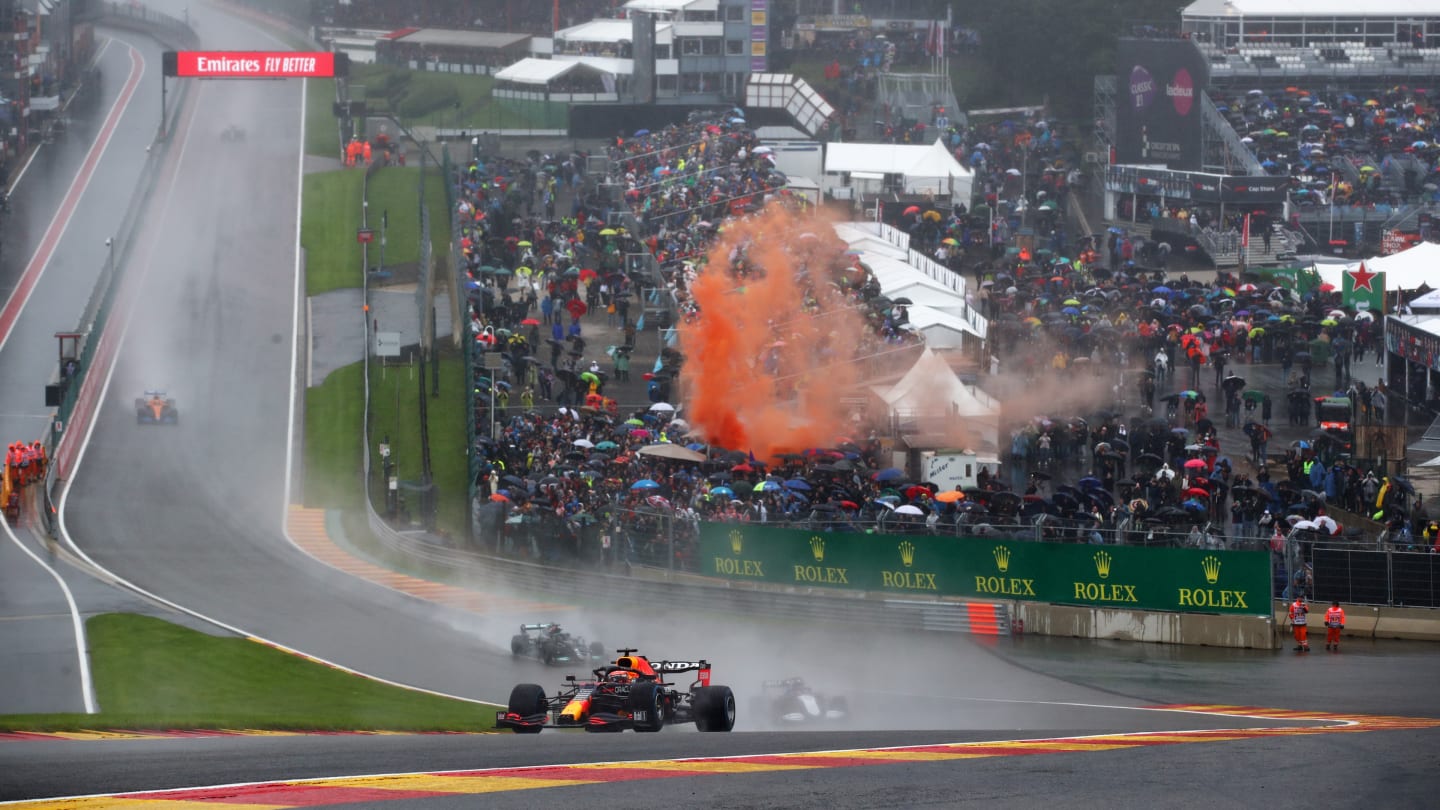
1334	98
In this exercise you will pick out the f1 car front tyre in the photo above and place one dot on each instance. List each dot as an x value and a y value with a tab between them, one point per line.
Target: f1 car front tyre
517	645
714	708
528	699
647	706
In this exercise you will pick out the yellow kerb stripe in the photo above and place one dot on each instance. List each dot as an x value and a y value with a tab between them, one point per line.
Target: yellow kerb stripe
446	784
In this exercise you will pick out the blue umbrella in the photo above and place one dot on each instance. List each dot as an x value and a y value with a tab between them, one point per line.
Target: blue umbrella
890	474
696	446
726	491
767	486
644	483
1162	290
640	133
1090	482
1070	311
798	483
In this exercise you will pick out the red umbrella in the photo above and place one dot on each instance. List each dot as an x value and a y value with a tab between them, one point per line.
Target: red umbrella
530	322
1196	492
498	498
742	468
586	274
914	209
1195	464
576	307
849	505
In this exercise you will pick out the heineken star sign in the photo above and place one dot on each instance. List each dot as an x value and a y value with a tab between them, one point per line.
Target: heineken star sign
1363	289
1169	579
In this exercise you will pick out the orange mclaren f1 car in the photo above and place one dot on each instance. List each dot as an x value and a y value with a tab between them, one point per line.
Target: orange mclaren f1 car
154	408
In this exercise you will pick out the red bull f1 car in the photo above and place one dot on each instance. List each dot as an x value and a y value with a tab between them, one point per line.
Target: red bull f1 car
630	693
154	408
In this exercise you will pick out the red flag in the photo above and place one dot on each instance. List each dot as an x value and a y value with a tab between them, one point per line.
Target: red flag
1245	233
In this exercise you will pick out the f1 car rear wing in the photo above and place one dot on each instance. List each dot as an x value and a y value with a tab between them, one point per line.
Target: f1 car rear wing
702	667
540	626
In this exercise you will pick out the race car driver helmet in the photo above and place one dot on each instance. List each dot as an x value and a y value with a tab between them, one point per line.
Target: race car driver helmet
553	629
620	676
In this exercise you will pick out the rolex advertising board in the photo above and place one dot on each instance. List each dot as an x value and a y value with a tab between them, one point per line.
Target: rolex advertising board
1159	85
1169	579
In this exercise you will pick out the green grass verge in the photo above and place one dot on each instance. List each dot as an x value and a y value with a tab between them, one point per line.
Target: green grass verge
423	98
334	417
330	214
322	131
396	189
394	412
151	674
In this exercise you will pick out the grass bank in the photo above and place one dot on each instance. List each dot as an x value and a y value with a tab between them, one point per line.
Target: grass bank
394	412
424	98
334	418
151	674
322	129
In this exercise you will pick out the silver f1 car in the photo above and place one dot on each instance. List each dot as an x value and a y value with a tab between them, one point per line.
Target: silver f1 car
546	642
792	702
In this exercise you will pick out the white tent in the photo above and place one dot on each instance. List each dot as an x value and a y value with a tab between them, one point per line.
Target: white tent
942	330
535	71
1406	270
924	169
931	396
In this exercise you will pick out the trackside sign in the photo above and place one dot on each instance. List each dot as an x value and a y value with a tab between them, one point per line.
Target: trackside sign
1169	579
255	64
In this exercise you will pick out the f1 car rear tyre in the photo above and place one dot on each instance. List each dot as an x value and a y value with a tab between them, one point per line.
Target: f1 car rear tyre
597	650
714	708
527	699
547	652
517	645
648	698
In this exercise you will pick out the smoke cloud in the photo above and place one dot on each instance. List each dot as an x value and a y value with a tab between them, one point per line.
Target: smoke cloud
771	350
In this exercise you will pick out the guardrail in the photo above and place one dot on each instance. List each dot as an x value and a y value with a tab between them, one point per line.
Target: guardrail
1407	576
655	586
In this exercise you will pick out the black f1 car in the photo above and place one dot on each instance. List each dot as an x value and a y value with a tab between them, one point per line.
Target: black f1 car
792	701
154	408
549	644
630	693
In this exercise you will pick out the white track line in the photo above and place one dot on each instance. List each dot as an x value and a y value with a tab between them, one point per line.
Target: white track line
297	295
87	686
104	393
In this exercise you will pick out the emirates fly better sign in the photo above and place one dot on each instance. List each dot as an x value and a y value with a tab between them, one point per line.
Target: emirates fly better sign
255	64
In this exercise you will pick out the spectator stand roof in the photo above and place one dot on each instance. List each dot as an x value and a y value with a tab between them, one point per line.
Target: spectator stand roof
474	40
672	6
1314	9
609	32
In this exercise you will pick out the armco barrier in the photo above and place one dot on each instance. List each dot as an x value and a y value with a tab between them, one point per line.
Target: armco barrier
660	588
1131	577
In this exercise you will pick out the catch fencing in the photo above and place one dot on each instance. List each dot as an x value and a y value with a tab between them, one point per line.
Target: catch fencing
1390	576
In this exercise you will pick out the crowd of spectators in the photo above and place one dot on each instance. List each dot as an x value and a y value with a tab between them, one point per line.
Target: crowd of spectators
1365	150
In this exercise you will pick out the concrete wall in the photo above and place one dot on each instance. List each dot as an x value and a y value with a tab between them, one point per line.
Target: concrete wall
1367	621
1252	632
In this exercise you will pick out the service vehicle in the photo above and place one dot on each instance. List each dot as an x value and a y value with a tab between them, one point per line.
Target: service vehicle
630	693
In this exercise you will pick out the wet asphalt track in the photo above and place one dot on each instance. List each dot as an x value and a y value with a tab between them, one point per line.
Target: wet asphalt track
194	513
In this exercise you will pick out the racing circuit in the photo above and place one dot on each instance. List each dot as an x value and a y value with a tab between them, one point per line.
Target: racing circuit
196	516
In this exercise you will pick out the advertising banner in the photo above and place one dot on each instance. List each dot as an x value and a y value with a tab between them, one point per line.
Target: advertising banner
1157	104
1142	578
252	64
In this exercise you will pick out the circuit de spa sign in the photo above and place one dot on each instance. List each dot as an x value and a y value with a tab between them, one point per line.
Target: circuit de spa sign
255	64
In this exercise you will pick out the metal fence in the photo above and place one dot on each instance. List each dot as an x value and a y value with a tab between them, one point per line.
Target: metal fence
1390	576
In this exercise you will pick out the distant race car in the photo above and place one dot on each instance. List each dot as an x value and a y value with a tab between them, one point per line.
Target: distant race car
546	642
232	133
154	408
793	701
630	693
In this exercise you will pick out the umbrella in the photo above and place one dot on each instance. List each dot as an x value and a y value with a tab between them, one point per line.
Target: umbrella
890	474
662	407
798	483
607	445
586	443
530	322
726	491
644	483
767	486
1195	464
914	209
950	496
908	509
671	451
